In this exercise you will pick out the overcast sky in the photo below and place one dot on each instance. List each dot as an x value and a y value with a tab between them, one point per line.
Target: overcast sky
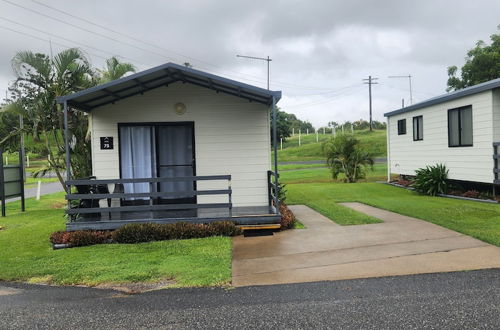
320	50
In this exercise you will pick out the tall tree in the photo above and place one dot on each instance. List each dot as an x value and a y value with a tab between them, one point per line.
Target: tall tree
481	64
115	70
40	80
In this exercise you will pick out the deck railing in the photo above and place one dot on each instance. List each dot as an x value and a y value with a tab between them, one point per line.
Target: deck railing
86	200
496	162
273	195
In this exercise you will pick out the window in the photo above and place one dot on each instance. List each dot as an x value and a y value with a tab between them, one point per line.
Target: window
418	128
401	126
460	127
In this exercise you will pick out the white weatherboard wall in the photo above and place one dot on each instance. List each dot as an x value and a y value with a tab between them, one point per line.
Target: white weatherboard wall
232	136
464	163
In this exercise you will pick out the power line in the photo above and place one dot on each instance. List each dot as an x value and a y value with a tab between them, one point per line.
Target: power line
69	40
82	28
325	101
44	40
286	84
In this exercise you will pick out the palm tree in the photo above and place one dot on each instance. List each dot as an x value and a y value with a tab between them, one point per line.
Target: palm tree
115	70
40	80
345	155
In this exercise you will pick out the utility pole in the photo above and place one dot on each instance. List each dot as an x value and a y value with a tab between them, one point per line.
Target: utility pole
268	60
409	80
370	81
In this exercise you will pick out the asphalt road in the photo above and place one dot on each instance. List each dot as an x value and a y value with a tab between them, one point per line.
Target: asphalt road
434	301
47	188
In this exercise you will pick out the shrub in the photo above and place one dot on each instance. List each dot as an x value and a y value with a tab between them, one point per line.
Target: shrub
225	228
471	194
432	180
80	237
84	237
147	232
404	183
60	237
138	232
345	155
287	217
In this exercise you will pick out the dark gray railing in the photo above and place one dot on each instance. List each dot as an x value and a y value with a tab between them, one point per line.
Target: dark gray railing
273	195
87	202
496	162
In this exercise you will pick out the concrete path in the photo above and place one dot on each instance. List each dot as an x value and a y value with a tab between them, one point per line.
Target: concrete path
400	245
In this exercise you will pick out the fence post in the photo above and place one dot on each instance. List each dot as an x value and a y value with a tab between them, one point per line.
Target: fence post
2	184
21	178
230	198
317	137
281	143
38	190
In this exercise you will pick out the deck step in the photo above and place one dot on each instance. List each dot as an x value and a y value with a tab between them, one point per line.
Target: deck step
260	227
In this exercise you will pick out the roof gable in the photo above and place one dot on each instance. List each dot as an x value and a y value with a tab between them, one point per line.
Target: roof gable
159	76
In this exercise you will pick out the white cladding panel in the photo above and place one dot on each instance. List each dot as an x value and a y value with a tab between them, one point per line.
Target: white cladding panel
232	136
464	163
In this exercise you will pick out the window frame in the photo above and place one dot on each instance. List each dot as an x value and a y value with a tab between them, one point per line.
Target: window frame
459	110
418	128
403	125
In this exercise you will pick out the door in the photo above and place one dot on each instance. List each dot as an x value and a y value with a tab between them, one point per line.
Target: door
164	150
175	158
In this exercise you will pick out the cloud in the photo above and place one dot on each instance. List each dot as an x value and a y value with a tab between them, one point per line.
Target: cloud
321	49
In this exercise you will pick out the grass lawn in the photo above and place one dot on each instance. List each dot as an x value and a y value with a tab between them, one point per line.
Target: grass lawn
32	182
286	167
312	150
26	254
479	220
309	175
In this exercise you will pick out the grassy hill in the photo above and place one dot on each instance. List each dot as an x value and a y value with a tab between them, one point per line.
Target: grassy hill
311	150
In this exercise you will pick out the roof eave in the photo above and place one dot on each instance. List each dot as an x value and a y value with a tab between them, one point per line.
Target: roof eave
489	85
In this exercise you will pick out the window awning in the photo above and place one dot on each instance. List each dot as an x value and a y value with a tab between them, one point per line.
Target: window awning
163	75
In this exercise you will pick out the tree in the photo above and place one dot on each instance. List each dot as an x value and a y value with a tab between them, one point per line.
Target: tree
115	70
40	80
283	125
345	155
481	64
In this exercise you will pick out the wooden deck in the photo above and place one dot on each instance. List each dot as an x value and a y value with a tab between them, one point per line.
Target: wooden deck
94	209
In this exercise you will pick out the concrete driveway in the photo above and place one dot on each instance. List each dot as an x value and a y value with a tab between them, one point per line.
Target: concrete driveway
400	245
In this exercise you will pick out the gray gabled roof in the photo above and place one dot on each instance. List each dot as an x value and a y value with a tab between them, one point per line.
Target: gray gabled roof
163	75
495	83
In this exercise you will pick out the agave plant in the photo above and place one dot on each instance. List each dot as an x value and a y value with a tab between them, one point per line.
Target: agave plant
431	180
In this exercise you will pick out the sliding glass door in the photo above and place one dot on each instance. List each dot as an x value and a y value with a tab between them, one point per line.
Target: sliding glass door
158	150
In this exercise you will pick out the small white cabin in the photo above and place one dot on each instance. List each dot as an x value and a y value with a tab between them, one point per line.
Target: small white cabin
460	129
176	144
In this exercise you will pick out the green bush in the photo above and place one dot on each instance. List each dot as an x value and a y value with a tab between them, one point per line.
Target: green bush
80	237
431	180
345	155
147	232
